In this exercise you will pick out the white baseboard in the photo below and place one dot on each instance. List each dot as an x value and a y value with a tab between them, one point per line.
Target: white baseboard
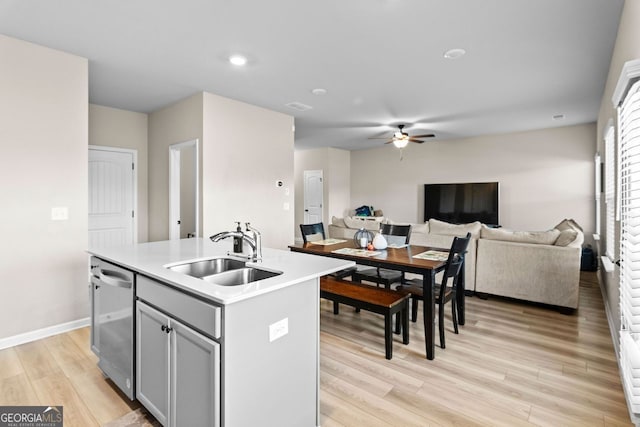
43	333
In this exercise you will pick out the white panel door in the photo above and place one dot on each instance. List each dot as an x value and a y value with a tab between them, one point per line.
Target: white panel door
313	188
111	198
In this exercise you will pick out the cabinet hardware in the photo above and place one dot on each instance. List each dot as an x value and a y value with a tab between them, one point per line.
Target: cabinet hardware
166	329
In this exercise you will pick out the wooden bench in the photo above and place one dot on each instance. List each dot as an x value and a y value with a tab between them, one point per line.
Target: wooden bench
377	300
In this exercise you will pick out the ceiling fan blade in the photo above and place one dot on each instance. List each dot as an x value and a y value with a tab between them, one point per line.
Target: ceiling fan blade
426	135
389	142
416	140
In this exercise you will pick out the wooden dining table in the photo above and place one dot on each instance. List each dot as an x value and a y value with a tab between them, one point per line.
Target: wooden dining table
401	259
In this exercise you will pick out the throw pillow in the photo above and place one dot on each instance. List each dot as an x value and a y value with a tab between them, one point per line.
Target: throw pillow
460	230
422	228
568	224
566	237
537	237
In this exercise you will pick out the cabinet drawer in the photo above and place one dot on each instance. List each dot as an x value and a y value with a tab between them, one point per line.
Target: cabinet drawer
199	314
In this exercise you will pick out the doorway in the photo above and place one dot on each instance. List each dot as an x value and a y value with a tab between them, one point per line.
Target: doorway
184	190
112	196
313	196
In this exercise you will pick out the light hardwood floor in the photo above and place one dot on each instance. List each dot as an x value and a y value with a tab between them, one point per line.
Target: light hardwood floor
512	364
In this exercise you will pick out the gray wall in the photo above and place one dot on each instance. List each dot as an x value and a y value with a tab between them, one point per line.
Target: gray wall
176	123
246	150
545	175
335	165
112	127
43	264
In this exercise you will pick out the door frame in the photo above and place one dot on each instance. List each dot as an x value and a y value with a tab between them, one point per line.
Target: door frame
304	193
134	193
174	186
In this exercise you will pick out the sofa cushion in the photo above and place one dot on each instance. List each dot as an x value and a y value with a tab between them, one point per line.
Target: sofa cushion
460	230
566	237
339	222
568	224
537	237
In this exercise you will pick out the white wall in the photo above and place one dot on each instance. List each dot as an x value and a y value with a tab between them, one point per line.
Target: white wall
43	263
176	123
339	181
111	127
627	48
335	165
246	150
544	175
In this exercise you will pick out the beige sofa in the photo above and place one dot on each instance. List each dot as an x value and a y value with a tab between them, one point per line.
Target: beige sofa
541	267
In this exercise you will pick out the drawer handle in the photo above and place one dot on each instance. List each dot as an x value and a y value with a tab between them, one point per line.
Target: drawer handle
165	328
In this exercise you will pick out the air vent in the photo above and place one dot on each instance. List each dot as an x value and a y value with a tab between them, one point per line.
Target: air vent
298	106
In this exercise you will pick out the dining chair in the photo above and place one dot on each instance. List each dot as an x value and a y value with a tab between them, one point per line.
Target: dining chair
312	232
315	232
398	234
444	291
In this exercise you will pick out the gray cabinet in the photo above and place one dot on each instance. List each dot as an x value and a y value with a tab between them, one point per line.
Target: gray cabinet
152	361
178	370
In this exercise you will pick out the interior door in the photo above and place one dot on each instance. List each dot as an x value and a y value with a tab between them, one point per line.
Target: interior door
313	188
111	197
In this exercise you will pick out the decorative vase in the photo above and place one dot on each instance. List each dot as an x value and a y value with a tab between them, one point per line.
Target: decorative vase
379	242
362	238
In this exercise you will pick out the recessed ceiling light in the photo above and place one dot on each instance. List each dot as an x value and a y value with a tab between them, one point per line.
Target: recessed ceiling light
238	60
319	91
558	117
454	53
298	106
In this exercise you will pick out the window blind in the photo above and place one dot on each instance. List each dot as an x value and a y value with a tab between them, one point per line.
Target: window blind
629	158
609	197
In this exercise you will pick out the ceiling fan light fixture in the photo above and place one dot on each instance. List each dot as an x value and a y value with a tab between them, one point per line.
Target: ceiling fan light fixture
238	60
400	142
454	53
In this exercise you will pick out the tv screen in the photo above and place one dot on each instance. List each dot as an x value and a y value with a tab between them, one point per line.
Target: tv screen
462	203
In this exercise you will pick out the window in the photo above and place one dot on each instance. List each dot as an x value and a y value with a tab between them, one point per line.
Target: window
598	189
609	195
629	164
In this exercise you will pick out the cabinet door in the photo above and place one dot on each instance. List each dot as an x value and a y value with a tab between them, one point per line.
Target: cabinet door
195	378
152	361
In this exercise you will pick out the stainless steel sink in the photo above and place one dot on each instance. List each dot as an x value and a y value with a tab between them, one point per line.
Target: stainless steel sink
223	271
207	267
240	276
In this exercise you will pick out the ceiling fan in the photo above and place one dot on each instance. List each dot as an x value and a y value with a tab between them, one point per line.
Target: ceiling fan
400	138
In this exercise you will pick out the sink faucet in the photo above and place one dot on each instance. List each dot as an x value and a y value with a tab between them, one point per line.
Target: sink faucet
251	236
257	240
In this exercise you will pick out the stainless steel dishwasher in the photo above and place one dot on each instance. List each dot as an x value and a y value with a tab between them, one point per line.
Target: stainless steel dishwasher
112	322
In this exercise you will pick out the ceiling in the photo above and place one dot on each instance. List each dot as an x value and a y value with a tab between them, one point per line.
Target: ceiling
380	61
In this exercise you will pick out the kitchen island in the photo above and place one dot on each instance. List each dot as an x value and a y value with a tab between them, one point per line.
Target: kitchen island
207	354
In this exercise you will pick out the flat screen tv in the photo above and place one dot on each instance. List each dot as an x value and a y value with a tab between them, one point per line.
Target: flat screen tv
462	203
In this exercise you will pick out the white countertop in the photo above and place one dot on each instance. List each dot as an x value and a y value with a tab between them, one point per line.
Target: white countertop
150	259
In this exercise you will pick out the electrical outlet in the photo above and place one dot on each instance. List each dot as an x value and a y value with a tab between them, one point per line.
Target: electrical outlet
60	213
278	329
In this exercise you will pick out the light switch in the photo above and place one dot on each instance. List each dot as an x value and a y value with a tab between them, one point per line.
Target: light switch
278	329
59	213
285	206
